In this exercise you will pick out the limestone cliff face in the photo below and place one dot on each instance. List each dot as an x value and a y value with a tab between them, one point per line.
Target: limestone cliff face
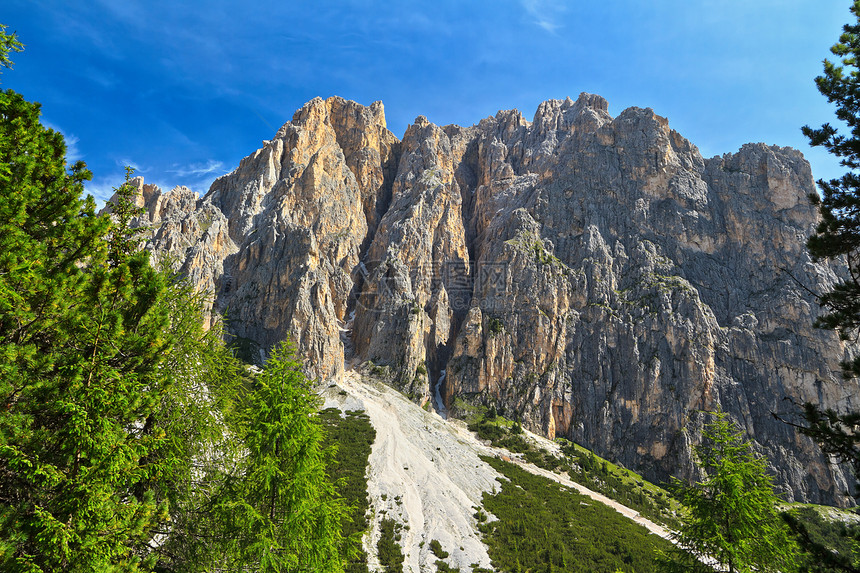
276	240
404	313
593	276
634	283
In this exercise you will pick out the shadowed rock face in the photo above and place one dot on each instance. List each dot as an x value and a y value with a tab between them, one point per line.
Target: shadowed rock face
590	275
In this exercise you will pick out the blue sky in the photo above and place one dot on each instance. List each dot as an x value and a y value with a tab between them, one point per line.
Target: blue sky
183	90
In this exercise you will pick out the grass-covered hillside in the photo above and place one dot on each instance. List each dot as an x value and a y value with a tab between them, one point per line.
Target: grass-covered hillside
582	466
532	523
543	526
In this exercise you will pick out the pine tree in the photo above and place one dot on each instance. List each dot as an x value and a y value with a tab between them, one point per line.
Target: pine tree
8	43
838	233
81	340
81	352
279	511
119	412
732	519
199	449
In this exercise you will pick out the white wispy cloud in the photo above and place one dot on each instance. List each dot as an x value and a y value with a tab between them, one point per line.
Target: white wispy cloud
125	11
198	169
126	162
545	13
73	153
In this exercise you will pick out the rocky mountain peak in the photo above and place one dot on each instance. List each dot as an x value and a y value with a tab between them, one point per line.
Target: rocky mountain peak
589	111
592	276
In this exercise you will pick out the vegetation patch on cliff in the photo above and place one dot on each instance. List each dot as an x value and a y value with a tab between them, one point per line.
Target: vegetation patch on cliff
530	242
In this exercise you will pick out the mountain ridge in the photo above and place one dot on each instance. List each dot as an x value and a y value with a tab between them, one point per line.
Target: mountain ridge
594	277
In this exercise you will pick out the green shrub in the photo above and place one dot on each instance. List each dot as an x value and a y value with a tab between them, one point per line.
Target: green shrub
488	430
437	550
496	326
828	545
390	555
583	467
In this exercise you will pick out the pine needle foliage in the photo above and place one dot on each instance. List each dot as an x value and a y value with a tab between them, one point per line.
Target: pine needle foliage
199	448
732	518
131	439
280	512
81	340
838	234
8	43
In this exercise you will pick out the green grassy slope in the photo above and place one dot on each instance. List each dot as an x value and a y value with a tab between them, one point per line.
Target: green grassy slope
546	527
